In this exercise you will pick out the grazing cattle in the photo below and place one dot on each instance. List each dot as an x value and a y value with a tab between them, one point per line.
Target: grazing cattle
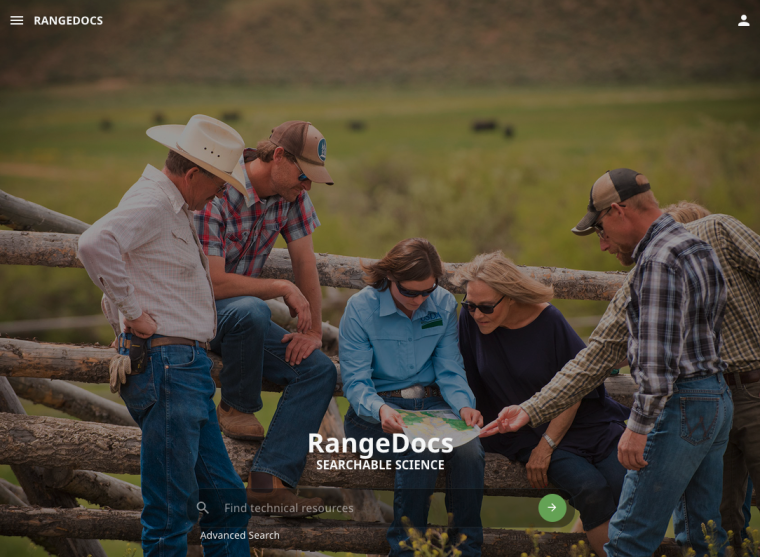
483	125
158	118
106	124
231	116
357	125
509	131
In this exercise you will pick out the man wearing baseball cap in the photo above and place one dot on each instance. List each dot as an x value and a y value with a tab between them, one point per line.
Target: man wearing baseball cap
681	416
237	233
145	257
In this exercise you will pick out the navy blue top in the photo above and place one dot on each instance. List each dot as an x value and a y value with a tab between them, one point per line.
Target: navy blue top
509	366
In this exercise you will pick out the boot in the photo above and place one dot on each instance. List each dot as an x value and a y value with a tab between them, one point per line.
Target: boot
280	501
238	425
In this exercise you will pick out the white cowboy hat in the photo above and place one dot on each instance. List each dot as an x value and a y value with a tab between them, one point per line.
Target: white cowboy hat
209	143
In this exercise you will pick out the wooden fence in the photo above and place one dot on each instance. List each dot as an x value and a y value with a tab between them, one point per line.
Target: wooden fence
58	460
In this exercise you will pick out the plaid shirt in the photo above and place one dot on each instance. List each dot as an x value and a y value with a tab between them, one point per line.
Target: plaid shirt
244	232
738	250
675	311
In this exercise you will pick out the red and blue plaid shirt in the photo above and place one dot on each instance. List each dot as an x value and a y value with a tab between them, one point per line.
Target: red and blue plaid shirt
244	235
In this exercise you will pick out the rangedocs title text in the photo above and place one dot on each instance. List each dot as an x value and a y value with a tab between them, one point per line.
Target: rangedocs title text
368	447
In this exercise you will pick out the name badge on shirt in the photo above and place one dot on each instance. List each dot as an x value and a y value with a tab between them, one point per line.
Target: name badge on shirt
432	320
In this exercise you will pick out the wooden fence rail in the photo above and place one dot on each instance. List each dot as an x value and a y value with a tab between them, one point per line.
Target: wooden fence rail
20	214
72	400
59	250
89	364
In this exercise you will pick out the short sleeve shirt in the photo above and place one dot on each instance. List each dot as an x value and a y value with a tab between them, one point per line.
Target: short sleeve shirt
244	231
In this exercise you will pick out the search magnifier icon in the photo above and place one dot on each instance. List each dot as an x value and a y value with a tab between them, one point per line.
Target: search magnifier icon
201	506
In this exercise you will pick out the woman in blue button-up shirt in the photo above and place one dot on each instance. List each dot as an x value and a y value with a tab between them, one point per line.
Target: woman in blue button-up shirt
398	339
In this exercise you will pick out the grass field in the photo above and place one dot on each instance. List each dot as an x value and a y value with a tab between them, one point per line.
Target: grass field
416	170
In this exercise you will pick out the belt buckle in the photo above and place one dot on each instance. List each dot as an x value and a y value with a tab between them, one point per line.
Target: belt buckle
415	391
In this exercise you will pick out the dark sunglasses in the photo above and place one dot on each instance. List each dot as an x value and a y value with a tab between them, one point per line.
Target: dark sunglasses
303	177
486	310
598	226
414	293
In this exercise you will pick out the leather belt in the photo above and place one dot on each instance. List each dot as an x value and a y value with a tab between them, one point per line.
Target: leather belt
744	377
167	341
415	391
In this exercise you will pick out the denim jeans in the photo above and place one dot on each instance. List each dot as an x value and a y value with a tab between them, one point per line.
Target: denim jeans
251	347
594	489
684	452
465	469
183	459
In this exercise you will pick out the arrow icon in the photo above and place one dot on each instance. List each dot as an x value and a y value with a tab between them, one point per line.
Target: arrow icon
552	508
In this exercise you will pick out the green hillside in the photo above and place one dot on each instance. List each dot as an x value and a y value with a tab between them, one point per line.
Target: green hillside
398	42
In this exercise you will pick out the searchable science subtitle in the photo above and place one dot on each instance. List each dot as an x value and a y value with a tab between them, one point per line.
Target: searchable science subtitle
379	465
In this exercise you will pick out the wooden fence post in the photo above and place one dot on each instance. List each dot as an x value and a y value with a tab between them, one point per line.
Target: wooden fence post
32	481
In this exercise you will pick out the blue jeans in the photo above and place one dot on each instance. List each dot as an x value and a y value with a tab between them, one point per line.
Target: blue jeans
465	469
685	472
594	489
251	348
183	459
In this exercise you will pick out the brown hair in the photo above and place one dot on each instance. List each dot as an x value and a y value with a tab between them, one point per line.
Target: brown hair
179	165
411	259
686	211
501	274
265	151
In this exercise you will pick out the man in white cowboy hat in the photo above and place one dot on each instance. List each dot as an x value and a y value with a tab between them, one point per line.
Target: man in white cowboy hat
238	232
146	258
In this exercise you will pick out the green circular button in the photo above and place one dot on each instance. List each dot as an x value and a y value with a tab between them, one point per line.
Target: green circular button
552	508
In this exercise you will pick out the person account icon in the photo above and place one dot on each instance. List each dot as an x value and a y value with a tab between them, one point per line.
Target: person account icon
744	22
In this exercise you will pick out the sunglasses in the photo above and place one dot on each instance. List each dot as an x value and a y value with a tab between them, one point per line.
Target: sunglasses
414	293
598	228
484	309
303	177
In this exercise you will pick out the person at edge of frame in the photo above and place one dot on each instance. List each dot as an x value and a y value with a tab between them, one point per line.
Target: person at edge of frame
398	351
738	250
682	413
237	232
145	257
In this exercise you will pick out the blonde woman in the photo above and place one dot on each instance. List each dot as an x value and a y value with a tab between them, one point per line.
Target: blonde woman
513	341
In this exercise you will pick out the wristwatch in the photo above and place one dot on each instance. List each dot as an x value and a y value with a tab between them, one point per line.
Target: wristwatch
552	444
